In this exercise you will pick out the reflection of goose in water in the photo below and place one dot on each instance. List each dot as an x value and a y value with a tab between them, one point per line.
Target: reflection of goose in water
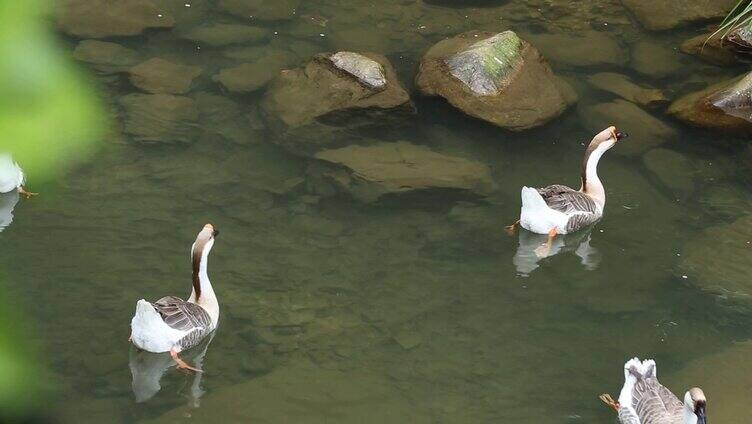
529	252
7	203
643	400
147	370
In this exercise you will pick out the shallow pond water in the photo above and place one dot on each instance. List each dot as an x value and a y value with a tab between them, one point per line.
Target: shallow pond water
416	308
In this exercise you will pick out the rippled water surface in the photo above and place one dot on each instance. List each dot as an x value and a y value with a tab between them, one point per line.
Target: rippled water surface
415	308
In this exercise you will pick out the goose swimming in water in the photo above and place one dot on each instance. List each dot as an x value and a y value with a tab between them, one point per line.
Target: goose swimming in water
643	400
558	209
172	324
12	177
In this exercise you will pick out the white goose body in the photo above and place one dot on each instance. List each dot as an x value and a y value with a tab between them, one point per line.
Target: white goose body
643	400
172	324
11	175
558	209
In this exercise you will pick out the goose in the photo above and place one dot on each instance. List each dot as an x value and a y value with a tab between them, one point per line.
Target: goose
172	324
643	400
558	209
12	177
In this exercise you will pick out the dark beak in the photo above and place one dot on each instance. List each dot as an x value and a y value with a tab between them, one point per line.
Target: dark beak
700	412
621	135
215	233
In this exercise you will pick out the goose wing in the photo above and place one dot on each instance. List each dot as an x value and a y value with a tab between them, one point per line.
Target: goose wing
655	404
567	200
184	316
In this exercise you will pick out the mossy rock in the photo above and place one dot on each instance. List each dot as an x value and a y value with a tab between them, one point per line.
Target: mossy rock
496	77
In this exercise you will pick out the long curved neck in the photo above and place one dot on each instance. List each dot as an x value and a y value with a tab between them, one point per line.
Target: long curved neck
202	292
689	416
591	184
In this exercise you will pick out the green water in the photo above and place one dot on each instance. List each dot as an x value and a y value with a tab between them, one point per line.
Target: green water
412	306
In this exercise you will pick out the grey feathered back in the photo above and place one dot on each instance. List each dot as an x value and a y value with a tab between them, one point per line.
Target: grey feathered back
583	209
184	316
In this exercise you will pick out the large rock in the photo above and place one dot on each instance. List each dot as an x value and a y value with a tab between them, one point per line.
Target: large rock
159	117
725	106
248	77
623	87
260	9
332	94
301	392
602	49
372	171
105	57
499	78
107	18
157	75
224	34
710	49
719	259
659	15
726	378
645	131
654	60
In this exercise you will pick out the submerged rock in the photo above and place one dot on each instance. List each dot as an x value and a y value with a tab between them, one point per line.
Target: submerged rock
623	87
654	60
159	117
645	131
302	392
602	49
718	259
224	118
104	18
726	106
260	9
104	56
311	104
666	14
157	75
372	171
248	77
224	34
499	78
672	168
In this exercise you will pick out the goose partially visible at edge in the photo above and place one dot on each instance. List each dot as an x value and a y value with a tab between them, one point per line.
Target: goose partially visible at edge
643	400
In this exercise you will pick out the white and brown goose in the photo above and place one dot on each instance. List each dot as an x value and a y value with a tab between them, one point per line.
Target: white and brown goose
558	209
643	400
172	324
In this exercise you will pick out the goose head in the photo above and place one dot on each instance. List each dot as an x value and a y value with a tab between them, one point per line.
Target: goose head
694	406
606	139
204	240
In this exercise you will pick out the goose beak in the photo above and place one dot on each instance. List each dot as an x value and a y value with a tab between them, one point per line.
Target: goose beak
618	136
700	412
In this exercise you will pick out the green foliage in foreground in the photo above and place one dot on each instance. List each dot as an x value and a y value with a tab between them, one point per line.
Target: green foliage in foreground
49	120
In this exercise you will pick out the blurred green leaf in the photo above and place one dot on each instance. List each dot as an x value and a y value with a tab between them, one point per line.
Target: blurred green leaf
49	120
49	117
